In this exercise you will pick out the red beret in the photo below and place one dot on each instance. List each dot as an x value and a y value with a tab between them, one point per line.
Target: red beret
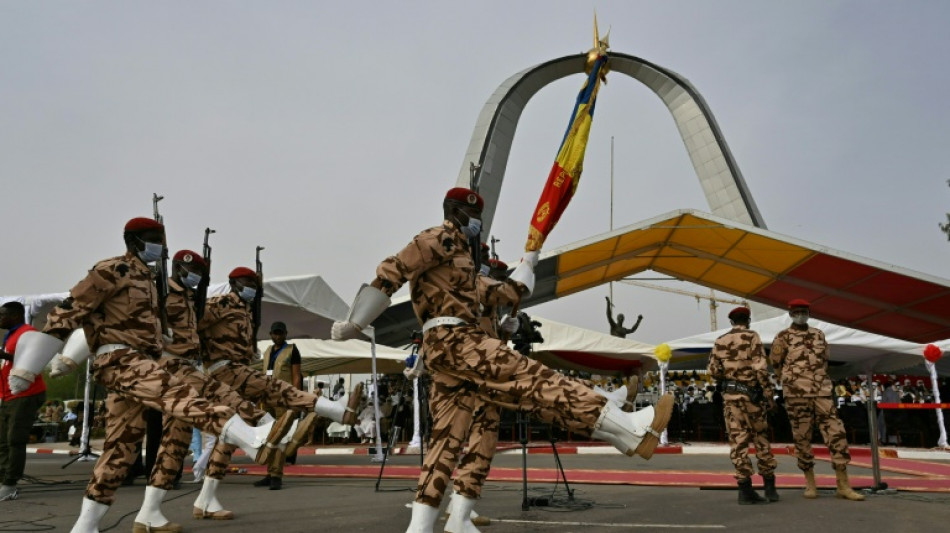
465	196
740	311
497	263
485	247
143	224
187	256
242	272
798	302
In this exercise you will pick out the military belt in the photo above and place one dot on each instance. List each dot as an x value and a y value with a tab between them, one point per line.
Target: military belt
735	386
214	366
109	348
442	321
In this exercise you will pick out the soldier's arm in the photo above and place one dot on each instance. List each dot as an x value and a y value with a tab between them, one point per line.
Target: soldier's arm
98	285
761	366
778	353
424	252
495	293
715	367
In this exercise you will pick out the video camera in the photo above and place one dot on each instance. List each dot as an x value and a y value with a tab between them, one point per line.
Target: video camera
527	334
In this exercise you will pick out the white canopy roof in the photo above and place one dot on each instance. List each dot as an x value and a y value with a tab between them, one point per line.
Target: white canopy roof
305	303
573	348
852	351
320	357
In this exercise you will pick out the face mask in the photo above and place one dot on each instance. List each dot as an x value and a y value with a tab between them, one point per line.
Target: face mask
473	229
800	319
248	293
191	280
484	270
151	253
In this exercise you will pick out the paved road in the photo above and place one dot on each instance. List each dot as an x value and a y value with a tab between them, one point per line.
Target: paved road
309	504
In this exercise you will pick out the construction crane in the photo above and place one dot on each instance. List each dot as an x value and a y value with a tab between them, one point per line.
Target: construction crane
713	299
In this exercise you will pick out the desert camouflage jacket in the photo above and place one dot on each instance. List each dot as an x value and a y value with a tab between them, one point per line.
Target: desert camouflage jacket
739	356
180	309
800	358
116	303
442	277
226	330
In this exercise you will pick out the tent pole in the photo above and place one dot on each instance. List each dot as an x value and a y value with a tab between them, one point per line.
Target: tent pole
379	442
872	430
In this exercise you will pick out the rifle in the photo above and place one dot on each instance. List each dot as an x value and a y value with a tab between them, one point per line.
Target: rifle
201	293
259	297
494	254
161	268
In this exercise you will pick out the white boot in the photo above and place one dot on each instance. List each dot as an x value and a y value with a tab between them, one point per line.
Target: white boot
150	518
617	397
88	521
258	442
266	419
460	515
423	518
207	504
623	430
340	411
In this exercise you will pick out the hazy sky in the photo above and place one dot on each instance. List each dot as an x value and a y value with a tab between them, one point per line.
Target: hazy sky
328	132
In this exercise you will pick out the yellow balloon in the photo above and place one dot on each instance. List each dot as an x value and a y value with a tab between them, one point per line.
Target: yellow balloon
663	352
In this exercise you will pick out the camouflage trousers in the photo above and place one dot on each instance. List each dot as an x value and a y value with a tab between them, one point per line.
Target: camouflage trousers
135	382
469	367
255	386
276	466
747	423
475	463
803	414
176	434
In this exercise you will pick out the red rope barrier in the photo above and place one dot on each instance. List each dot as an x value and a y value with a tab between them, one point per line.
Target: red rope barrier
914	405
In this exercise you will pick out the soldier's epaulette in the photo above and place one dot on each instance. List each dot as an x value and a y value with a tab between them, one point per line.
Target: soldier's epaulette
118	264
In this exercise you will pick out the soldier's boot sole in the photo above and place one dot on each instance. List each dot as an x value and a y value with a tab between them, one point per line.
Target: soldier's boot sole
302	434
663	411
271	448
349	417
170	527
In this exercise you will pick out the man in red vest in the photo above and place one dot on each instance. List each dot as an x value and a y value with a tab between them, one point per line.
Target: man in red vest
17	410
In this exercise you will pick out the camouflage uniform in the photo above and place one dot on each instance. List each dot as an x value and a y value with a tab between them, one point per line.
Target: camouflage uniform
475	464
117	303
227	332
180	358
466	364
738	356
800	358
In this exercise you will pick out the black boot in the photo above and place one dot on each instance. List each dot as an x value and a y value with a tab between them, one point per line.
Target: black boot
770	493
263	482
747	496
276	483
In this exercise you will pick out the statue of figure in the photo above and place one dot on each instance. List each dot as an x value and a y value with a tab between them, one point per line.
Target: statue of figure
616	328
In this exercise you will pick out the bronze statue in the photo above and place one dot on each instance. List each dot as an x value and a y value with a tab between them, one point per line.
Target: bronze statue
616	328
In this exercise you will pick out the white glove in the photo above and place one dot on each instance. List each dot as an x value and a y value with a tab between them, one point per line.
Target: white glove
418	369
19	384
344	330
531	257
509	324
62	366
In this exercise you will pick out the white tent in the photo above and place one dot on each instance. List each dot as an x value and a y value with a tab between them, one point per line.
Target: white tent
321	357
852	351
573	348
305	303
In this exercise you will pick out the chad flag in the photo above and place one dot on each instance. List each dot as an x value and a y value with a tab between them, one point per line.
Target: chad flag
566	172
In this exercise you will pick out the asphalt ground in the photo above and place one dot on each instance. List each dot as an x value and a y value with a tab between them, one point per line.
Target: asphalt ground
323	504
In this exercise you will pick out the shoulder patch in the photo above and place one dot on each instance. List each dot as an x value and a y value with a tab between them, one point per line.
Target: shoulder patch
122	269
448	244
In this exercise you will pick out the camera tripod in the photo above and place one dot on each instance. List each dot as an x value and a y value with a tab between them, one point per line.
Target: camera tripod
522	420
85	452
402	412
